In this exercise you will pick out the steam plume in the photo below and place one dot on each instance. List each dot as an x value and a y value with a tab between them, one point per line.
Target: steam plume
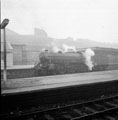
88	55
55	48
68	48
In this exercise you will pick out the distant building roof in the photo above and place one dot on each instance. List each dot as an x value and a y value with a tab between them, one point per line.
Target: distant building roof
11	32
8	45
39	37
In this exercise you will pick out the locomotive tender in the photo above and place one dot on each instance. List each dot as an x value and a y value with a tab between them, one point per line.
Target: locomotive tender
51	63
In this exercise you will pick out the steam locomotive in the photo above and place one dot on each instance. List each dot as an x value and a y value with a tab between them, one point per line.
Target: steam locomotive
51	63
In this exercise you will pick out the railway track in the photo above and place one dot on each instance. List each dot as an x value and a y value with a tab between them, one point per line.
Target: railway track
99	109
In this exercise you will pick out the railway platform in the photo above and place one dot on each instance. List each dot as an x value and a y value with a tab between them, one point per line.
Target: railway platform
18	71
57	81
14	67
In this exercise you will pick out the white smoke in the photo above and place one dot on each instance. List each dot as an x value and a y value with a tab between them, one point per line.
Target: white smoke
67	48
64	48
88	55
43	49
55	48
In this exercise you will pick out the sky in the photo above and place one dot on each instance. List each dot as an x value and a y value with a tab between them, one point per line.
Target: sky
92	19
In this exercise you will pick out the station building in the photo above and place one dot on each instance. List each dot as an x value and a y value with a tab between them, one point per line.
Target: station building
9	52
23	49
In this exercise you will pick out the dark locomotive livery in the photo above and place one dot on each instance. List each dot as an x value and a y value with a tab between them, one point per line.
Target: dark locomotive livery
51	63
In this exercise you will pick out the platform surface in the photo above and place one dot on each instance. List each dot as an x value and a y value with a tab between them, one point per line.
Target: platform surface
18	67
48	82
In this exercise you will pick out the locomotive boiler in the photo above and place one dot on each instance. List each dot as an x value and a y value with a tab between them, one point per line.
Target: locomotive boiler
51	63
60	63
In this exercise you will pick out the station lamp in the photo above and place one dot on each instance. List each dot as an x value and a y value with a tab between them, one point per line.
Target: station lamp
3	26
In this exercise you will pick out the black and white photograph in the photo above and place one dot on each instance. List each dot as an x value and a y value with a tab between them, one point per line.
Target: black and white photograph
59	59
